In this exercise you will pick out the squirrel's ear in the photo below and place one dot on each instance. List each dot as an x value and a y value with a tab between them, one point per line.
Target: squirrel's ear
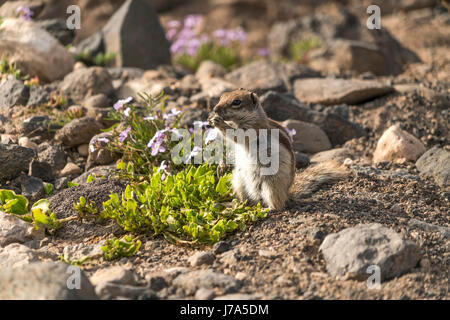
254	99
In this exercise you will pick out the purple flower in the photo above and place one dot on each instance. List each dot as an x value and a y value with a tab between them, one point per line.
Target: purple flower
96	143
211	135
25	12
264	52
157	142
291	133
171	34
119	104
163	168
193	21
124	134
176	133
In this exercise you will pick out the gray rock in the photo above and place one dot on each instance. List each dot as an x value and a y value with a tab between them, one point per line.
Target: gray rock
40	94
32	188
52	155
35	126
14	160
13	229
45	281
351	251
156	282
109	290
280	107
113	274
99	153
209	279
210	69
81	250
435	163
336	91
445	231
34	50
86	82
259	76
41	170
97	101
78	131
16	255
58	29
338	154
136	36
221	247
204	294
13	92
283	106
309	137
201	258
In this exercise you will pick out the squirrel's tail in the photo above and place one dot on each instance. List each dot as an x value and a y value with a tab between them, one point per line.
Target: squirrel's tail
309	180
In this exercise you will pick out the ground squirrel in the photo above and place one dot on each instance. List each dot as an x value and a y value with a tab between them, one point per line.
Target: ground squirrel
241	109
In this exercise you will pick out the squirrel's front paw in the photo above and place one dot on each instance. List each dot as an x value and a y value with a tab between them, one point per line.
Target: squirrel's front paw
215	120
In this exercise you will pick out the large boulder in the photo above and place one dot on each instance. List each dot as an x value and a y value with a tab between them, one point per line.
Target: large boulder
337	91
137	38
34	50
350	252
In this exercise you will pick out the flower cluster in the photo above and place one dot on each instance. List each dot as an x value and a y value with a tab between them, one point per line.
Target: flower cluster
189	41
291	133
25	13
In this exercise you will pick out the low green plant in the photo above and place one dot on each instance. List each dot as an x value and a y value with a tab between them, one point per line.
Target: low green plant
48	188
77	262
71	184
14	204
100	59
43	216
299	50
225	56
120	248
86	209
190	206
138	127
7	68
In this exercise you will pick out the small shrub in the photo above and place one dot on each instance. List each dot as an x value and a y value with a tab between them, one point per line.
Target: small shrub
190	206
116	249
299	50
8	68
100	59
190	45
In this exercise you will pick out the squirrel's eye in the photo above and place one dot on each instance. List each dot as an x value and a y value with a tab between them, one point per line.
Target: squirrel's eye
236	102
